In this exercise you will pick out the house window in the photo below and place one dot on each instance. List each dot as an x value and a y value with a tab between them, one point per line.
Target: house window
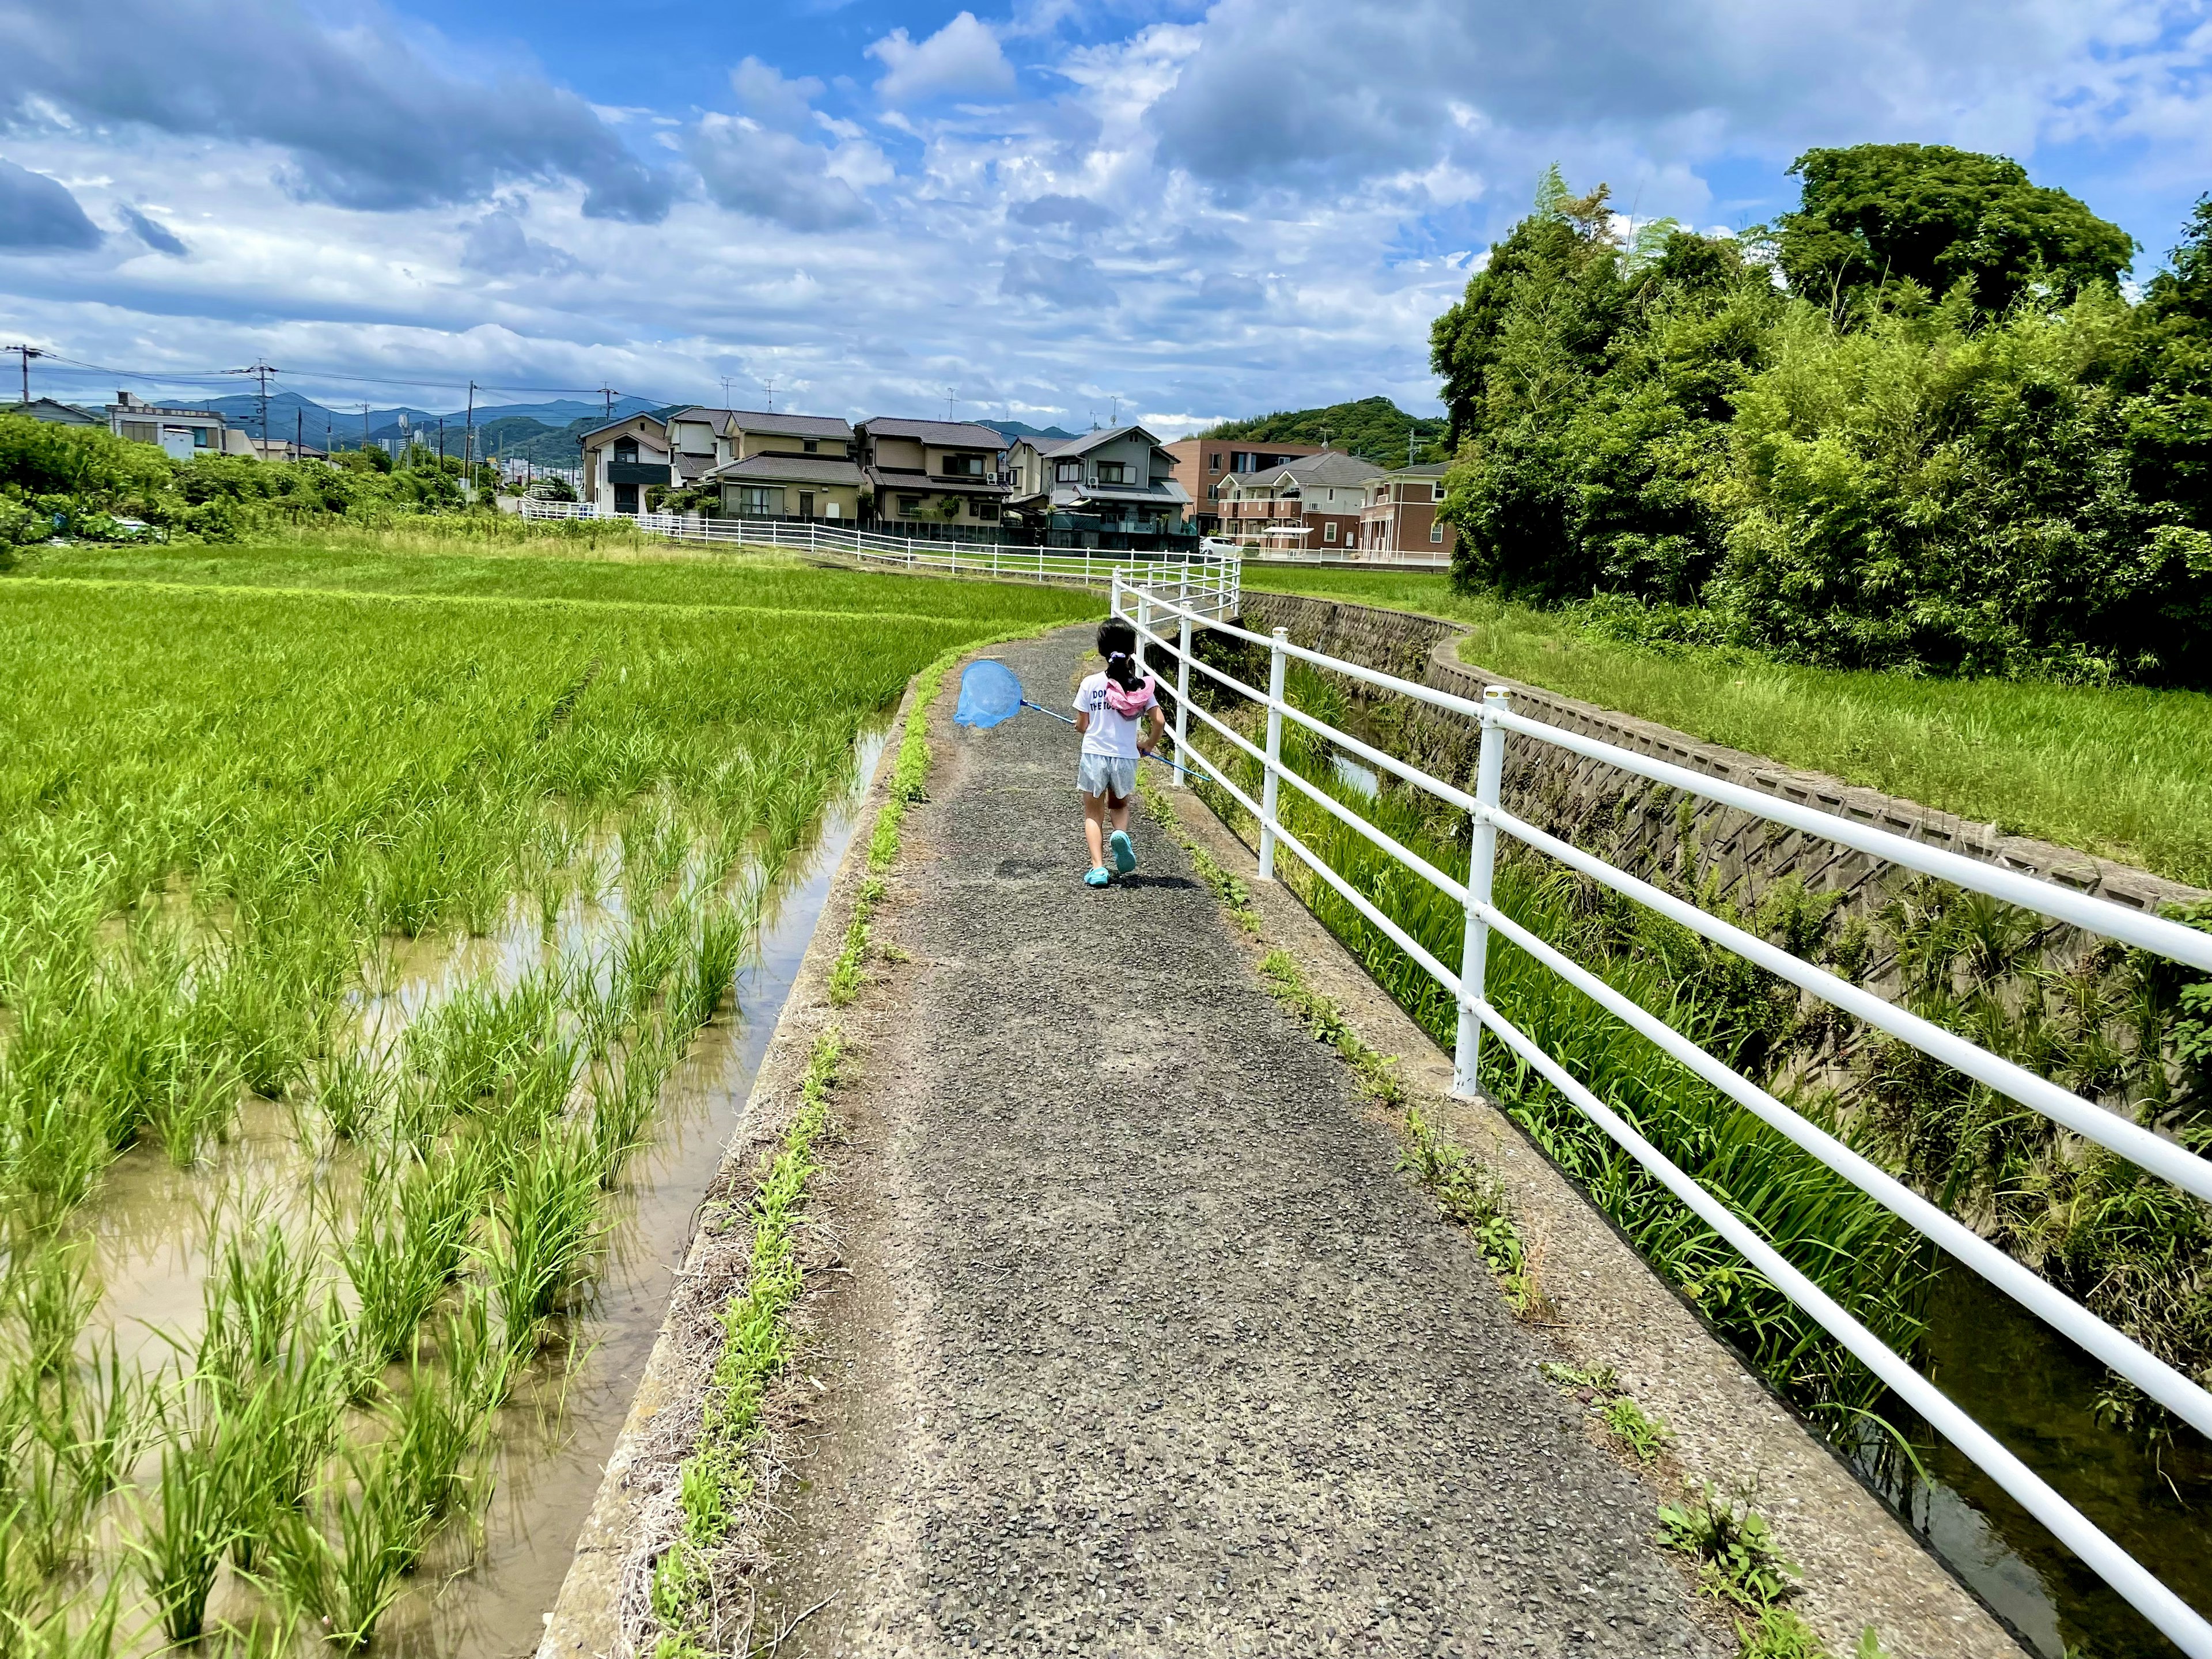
910	507
811	445
963	466
1329	530
1213	462
625	498
763	501
1436	492
986	511
1437	531
626	452
1067	472
1113	472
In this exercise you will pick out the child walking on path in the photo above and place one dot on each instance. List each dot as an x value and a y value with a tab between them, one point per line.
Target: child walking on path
1111	709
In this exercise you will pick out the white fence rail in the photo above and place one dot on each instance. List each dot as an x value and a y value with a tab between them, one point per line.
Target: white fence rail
1150	609
1206	578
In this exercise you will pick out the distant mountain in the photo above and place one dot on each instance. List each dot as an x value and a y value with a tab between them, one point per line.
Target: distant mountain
1373	427
288	411
1023	429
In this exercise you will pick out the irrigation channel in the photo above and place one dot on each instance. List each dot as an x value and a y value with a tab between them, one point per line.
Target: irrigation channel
481	1591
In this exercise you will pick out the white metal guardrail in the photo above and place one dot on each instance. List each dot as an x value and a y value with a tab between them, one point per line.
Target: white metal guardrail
1151	609
1206	578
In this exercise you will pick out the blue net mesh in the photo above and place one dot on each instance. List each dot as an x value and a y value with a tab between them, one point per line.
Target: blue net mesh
989	694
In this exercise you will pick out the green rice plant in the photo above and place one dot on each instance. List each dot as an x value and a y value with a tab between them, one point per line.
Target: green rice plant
479	1368
654	947
64	1627
397	1275
253	1305
354	1091
274	1441
439	1203
50	1293
478	1038
104	1412
440	1432
184	1532
622	1100
347	1583
548	1227
194	1108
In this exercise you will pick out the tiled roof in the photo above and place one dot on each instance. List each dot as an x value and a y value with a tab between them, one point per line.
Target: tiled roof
954	435
789	469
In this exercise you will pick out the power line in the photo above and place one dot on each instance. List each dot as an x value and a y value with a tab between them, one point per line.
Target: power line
214	377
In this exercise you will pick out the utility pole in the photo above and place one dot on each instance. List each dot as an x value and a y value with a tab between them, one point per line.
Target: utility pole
1409	445
948	404
608	392
770	385
1114	414
726	391
441	446
26	353
468	448
261	371
364	429
299	433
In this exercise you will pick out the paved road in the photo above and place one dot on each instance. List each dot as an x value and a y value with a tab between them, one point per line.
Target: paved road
1146	1347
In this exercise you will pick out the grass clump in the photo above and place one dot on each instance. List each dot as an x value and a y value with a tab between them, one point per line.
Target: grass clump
1738	1560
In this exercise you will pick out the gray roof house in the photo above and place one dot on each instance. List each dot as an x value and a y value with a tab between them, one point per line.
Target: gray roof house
55	414
1121	477
931	474
776	466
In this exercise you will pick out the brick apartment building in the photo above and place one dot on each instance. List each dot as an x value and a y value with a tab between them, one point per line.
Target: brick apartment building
1201	465
1311	506
1400	518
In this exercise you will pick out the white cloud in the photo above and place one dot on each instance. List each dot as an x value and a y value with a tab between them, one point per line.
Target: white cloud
1206	215
962	59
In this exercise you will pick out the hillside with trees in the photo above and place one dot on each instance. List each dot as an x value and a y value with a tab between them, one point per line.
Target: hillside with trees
1915	425
1373	427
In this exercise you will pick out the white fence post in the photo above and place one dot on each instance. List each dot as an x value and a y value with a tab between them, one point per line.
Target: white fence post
1482	863
1183	706
1144	622
1278	662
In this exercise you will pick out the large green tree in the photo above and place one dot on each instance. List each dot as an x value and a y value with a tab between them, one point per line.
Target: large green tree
1874	215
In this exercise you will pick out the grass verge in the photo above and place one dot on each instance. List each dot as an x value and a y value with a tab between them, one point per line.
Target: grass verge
717	1478
2118	771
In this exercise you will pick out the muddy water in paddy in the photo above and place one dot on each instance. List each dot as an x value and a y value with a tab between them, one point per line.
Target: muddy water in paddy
152	1224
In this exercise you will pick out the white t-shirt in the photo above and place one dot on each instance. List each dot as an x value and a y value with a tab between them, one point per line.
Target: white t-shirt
1110	733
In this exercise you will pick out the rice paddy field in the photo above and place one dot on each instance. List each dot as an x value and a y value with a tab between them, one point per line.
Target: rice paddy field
2118	771
370	914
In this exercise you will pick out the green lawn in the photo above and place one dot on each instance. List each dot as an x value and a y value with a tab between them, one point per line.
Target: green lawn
2125	773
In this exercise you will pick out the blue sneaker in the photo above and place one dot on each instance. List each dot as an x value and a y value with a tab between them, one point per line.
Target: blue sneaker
1097	877
1125	856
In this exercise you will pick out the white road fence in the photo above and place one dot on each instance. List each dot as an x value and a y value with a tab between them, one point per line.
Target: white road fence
1165	623
1206	578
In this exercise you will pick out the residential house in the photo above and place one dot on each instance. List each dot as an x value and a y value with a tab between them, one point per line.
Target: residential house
924	474
1400	519
624	458
776	466
1310	506
1117	483
1201	465
180	434
54	414
285	449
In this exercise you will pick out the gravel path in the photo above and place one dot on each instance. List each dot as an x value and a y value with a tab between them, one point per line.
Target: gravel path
1145	1346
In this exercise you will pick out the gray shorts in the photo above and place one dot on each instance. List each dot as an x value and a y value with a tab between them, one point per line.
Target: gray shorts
1107	774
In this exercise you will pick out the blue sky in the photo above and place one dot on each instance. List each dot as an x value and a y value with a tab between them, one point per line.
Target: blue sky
1049	211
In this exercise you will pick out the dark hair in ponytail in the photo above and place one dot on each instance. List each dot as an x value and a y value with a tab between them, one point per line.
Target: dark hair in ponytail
1117	643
